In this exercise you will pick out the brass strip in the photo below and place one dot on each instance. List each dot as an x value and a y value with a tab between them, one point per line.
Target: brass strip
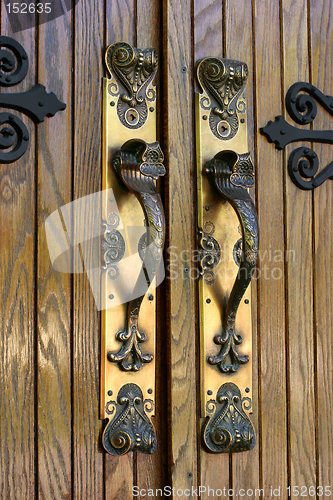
220	227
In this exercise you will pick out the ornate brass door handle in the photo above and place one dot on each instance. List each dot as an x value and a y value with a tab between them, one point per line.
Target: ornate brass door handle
132	248
228	259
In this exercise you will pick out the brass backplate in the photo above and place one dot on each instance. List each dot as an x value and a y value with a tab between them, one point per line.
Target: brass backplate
113	319
214	213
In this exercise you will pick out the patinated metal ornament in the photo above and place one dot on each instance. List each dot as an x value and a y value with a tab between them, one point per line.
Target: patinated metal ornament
129	428
228	428
132	71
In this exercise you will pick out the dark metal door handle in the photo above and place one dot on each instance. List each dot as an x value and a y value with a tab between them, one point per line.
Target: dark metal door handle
138	164
231	174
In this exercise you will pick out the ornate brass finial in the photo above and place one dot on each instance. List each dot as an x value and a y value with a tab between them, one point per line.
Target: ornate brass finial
222	82
132	70
228	429
130	428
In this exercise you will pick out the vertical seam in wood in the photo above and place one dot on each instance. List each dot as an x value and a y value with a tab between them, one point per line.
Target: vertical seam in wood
224	29
36	281
72	275
286	264
314	301
136	23
255	143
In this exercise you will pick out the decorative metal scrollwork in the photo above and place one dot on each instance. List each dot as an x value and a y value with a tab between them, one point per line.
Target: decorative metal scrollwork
228	429
35	103
130	428
224	81
134	70
113	246
303	162
138	164
232	174
209	251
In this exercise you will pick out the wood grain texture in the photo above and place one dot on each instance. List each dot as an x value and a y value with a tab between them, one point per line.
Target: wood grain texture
18	288
119	471
245	466
321	16
54	288
271	291
180	209
299	283
88	69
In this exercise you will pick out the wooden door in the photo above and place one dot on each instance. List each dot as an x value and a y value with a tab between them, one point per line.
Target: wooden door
50	432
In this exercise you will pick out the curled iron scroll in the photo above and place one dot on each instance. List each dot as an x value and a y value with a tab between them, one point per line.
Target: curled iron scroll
303	163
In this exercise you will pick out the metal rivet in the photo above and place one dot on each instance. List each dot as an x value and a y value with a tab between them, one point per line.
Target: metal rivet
295	168
247	389
110	393
315	184
151	297
11	117
313	155
313	116
207	207
331	105
24	56
204	117
305	151
150	391
26	138
111	296
293	100
282	132
209	392
208	301
304	119
8	79
112	103
246	301
151	109
41	104
242	120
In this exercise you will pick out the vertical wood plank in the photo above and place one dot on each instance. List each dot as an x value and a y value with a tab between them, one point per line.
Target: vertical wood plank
271	291
298	230
180	209
54	288
18	287
151	469
321	29
119	471
245	466
88	69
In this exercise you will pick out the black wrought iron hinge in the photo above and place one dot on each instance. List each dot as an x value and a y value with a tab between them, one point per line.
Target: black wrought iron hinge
303	162
35	103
